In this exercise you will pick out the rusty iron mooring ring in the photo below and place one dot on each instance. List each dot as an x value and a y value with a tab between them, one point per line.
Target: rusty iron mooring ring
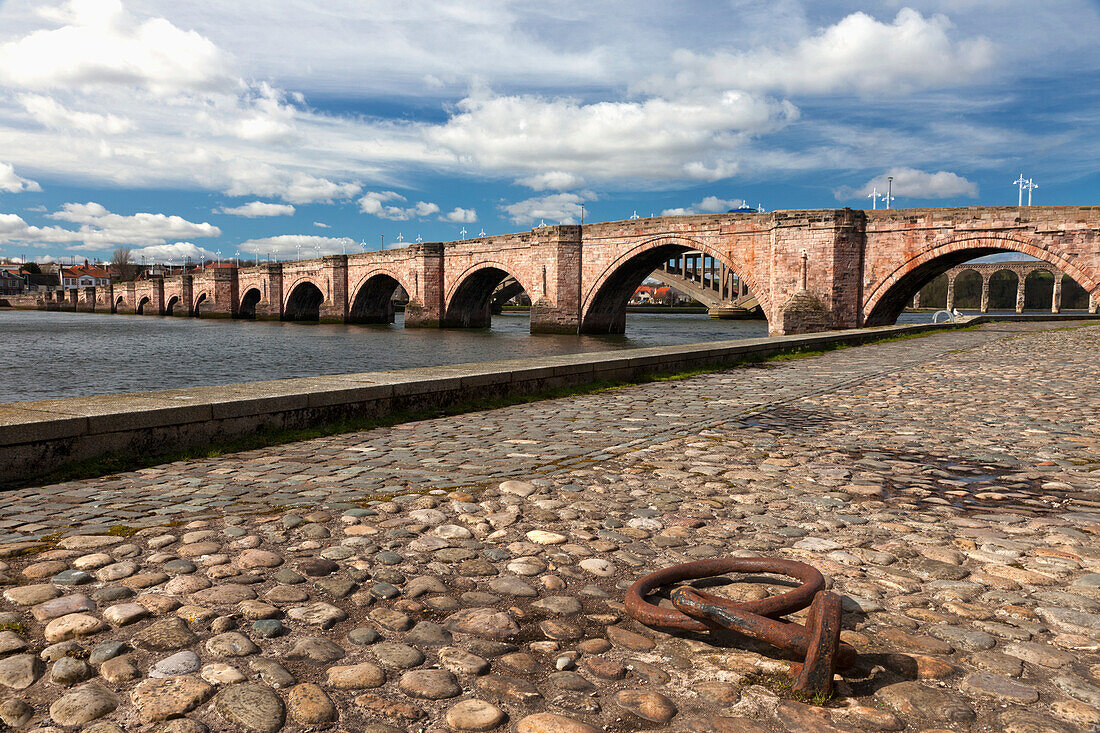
636	605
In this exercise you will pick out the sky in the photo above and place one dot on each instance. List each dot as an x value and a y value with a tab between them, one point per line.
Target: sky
301	127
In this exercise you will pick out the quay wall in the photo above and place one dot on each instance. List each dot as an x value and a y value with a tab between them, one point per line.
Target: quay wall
41	437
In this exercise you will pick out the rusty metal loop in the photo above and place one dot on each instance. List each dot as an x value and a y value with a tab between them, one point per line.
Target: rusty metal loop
636	605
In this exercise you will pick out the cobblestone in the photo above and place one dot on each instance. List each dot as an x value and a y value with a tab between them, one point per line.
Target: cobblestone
468	571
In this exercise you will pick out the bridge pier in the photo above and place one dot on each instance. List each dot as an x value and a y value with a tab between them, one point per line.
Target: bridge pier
87	300
1093	298
950	292
985	292
556	307
1056	295
1020	292
425	306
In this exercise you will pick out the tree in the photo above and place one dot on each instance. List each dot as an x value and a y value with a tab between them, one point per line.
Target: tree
123	264
32	268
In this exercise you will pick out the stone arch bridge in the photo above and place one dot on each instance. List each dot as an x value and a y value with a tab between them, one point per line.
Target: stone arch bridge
808	270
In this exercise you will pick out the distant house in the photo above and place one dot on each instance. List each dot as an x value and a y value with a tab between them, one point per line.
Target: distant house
84	276
11	282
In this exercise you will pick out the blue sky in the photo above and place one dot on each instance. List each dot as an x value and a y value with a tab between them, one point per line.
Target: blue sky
178	129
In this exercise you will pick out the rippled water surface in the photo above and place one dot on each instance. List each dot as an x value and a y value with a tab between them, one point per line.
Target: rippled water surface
51	354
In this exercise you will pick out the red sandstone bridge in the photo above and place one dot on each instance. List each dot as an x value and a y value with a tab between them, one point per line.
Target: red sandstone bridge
808	270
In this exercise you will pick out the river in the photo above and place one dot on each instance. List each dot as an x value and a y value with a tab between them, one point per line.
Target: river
45	355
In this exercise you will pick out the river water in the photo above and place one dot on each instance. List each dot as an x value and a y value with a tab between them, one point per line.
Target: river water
45	355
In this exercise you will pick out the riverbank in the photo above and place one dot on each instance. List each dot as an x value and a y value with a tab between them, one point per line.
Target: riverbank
47	436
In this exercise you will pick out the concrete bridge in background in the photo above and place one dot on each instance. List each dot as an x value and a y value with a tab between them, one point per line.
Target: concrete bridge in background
810	270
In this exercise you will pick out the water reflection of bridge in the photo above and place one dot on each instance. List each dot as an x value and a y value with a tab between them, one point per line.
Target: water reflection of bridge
987	271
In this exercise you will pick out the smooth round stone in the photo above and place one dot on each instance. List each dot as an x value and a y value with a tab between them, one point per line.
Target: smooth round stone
268	627
316	649
398	656
553	723
542	537
171	633
597	566
231	644
510	586
220	674
71	577
652	706
69	671
104	651
15	713
83	705
185	662
558	605
20	671
317	567
72	626
387	557
179	567
31	595
124	614
309	705
363	636
161	699
356	676
250	559
384	591
430	684
476	715
253	707
286	576
62	606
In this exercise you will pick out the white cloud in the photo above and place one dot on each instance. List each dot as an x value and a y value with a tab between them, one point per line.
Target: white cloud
101	44
11	183
374	203
858	53
552	180
177	252
54	115
254	209
916	184
296	187
558	208
694	138
709	205
99	228
322	225
460	215
288	246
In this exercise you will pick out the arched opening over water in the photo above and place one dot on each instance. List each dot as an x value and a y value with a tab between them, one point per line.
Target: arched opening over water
470	305
374	301
248	303
199	303
170	306
707	277
119	301
509	292
141	305
1002	290
968	290
304	303
889	297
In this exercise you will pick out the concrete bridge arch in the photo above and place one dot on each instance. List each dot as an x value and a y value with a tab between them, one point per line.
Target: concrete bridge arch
887	298
603	306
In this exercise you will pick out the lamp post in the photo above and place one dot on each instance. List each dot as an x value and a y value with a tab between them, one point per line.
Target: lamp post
238	257
1030	186
298	247
1020	182
889	190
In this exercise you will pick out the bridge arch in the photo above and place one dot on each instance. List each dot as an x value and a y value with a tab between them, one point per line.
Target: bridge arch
141	305
1003	286
200	301
119	301
887	298
603	308
468	301
372	301
303	303
170	306
248	304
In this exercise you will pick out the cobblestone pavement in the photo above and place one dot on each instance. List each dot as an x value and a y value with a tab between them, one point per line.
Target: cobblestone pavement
945	486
